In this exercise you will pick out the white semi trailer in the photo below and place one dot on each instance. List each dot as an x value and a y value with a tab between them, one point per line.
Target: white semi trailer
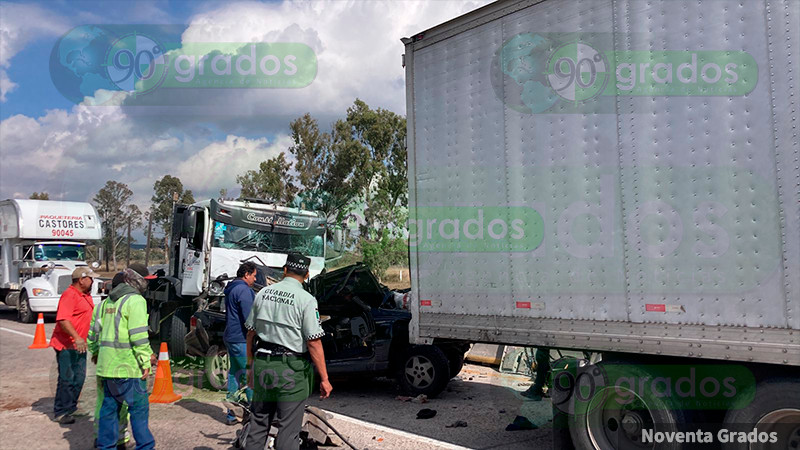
622	178
41	243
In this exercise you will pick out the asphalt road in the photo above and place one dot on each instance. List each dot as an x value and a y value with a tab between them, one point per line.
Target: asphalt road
366	412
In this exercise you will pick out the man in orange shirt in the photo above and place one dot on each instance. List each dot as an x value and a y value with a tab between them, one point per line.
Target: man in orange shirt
69	340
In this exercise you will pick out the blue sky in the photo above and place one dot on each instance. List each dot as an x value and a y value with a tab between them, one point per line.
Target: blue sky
206	137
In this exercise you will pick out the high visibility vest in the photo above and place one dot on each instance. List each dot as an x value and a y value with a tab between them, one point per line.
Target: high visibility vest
118	335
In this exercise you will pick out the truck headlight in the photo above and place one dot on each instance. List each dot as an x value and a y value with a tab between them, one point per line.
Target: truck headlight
37	292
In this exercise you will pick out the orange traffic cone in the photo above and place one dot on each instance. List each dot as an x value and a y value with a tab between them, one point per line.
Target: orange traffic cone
39	338
162	388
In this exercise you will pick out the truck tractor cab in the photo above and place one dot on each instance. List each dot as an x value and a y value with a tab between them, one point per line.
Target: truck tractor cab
211	238
45	272
41	243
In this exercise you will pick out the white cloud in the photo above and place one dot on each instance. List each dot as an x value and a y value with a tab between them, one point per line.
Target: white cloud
19	24
216	166
358	50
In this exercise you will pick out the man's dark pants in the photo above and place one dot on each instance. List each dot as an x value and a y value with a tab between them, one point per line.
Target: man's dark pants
71	374
282	385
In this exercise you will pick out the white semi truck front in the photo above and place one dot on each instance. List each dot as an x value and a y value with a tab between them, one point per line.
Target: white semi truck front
42	242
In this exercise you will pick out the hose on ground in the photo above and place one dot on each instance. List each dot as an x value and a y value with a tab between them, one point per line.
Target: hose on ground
328	424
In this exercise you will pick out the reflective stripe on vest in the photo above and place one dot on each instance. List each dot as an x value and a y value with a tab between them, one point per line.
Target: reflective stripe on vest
118	317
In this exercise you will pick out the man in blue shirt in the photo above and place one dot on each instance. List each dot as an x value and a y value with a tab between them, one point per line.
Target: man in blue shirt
239	297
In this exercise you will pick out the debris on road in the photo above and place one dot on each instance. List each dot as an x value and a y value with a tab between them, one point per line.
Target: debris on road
521	423
426	413
457	424
420	399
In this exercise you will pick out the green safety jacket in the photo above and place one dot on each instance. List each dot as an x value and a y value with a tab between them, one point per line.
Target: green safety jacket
118	334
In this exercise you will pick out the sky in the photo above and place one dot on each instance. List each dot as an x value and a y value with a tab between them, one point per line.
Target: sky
66	129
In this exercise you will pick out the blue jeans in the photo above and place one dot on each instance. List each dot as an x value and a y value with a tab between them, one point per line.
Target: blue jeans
71	373
237	372
132	391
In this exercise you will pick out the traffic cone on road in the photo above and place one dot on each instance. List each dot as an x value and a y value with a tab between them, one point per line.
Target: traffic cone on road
39	338
162	388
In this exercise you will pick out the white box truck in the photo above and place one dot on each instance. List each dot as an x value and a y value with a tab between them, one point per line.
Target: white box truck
618	177
41	243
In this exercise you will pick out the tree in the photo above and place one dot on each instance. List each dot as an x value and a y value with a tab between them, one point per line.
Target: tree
113	204
380	137
40	196
168	191
272	181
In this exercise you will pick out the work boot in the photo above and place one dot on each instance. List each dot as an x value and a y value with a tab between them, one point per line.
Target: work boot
66	419
535	393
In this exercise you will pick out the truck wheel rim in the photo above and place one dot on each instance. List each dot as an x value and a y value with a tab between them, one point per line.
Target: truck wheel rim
420	371
784	422
616	417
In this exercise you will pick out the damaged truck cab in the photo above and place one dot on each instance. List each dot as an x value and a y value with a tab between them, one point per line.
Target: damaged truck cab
211	238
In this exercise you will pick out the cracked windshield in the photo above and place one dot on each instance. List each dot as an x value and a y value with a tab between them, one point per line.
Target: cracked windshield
239	238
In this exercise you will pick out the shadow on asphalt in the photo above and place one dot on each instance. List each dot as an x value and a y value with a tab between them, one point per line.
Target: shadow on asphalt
79	435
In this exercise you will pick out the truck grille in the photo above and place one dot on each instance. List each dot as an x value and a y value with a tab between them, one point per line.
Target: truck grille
63	282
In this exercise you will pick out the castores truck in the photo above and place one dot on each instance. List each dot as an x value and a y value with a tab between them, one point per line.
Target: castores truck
620	178
211	238
41	243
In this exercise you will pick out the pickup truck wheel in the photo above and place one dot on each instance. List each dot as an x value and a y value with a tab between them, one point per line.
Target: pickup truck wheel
24	312
775	408
424	370
217	365
609	416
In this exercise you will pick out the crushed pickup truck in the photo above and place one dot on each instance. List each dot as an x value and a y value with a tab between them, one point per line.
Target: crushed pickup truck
366	332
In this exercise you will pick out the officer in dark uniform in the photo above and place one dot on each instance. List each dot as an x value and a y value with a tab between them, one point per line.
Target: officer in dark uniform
283	339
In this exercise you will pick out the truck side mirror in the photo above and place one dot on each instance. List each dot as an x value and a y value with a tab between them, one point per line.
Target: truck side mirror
338	239
17	253
100	254
189	223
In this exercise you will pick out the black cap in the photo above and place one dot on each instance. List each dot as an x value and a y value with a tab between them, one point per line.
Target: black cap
296	261
117	280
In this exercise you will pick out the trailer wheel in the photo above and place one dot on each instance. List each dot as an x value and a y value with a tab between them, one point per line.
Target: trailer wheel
424	370
614	416
24	312
217	365
455	360
775	408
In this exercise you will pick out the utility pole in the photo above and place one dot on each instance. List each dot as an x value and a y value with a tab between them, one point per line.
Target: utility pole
149	235
128	255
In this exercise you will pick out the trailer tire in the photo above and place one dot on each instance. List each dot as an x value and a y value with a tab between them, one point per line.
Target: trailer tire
597	423
24	313
424	369
455	360
216	366
775	408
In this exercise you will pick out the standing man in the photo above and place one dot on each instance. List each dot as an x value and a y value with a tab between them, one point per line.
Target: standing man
536	391
69	341
121	348
239	297
283	331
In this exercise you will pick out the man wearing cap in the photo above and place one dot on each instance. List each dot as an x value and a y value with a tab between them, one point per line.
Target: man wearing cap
119	343
69	341
283	339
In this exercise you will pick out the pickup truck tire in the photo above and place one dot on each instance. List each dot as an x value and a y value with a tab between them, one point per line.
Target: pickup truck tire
424	369
24	313
216	367
608	416
775	407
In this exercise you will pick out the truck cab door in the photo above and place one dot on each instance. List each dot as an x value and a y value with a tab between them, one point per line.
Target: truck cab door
193	251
